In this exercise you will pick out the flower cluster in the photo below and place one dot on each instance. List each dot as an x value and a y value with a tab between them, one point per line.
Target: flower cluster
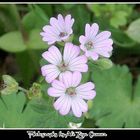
64	71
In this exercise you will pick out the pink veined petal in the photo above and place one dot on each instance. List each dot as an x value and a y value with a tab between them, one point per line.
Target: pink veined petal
68	24
82	104
56	54
49	37
52	76
87	30
107	42
55	92
54	23
50	30
92	54
65	108
102	36
47	69
80	68
87	95
82	39
53	55
51	42
93	30
105	54
60	102
104	51
70	52
76	79
66	78
61	22
86	87
83	48
77	63
58	85
78	60
75	107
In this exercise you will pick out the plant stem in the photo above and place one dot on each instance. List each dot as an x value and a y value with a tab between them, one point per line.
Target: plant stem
23	89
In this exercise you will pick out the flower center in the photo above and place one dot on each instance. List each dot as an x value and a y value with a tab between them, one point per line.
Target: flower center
71	91
62	34
89	45
63	67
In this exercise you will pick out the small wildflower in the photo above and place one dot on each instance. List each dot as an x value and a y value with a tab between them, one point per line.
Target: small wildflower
71	95
71	61
95	45
59	29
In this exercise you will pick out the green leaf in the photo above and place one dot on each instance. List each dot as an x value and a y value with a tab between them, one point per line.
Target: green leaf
102	63
35	19
119	19
28	63
12	114
115	13
35	41
12	42
11	86
50	117
117	102
68	6
134	30
121	39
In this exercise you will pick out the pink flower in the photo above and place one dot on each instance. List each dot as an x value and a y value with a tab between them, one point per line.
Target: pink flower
71	95
59	29
71	61
95	45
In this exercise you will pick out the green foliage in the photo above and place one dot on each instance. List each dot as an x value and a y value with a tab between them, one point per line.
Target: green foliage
117	102
35	42
134	30
117	14
121	39
13	114
35	19
12	42
102	64
10	85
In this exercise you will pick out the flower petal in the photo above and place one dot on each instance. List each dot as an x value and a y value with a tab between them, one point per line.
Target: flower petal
68	24
61	21
82	104
52	76
82	39
53	55
58	85
79	64
66	106
59	102
70	52
66	78
87	30
76	79
55	24
80	68
87	95
86	87
46	69
75	107
107	42
55	92
86	91
94	29
102	36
